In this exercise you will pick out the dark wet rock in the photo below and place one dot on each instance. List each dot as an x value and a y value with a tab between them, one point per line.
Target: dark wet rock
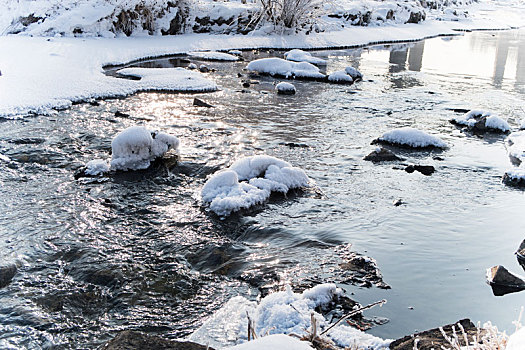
459	110
416	16
438	158
503	282
362	271
120	114
433	339
398	202
510	180
200	103
382	155
426	170
520	253
28	141
7	273
246	84
294	145
203	69
240	75
132	340
94	103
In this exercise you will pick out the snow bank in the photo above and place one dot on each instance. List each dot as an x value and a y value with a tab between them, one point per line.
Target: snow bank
283	68
489	121
411	137
275	315
169	79
285	88
96	167
250	181
273	342
340	77
136	147
213	56
303	56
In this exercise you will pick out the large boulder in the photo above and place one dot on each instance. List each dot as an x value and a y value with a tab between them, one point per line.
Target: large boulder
131	340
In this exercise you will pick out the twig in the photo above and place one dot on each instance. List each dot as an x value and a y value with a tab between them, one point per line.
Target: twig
352	313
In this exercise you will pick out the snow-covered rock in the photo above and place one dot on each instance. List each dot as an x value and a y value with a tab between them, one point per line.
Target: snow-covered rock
136	147
192	66
250	181
340	77
514	177
213	56
470	118
275	315
273	342
515	143
283	68
96	167
297	55
285	88
169	79
481	121
354	73
517	340
412	138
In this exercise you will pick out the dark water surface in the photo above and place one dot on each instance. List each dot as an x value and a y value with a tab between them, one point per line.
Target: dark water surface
138	251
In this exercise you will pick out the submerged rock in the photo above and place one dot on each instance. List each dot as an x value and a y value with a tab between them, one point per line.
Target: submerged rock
432	338
426	170
503	282
200	103
362	271
6	274
131	340
382	154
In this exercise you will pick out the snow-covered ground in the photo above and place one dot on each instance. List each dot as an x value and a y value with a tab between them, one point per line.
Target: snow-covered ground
40	74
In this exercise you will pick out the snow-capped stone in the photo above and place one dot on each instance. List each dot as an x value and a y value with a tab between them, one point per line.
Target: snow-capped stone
96	167
514	177
412	138
285	88
192	66
297	55
481	121
340	77
354	73
496	123
470	118
136	147
213	56
515	144
279	67
250	181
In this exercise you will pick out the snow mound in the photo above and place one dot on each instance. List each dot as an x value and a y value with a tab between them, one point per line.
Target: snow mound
496	123
213	56
517	340
250	181
470	118
283	312
303	56
412	138
516	146
136	147
285	88
481	121
96	167
272	342
169	79
279	67
340	77
354	73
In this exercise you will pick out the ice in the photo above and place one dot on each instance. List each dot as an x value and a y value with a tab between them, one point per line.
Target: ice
169	79
340	76
517	340
136	147
284	68
274	342
285	88
303	56
96	167
250	181
354	73
282	312
412	137
213	56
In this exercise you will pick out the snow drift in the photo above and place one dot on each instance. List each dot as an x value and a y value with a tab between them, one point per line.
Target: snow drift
250	181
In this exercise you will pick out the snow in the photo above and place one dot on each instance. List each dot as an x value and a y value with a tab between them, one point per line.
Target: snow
340	76
284	68
250	181
470	118
213	56
354	73
285	88
412	137
515	143
517	340
192	66
515	174
136	147
97	167
273	342
169	79
303	56
275	315
496	123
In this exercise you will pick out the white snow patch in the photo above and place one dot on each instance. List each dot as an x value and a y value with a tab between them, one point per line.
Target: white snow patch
170	79
303	56
517	340
273	342
213	56
412	137
97	167
354	73
275	315
496	123
285	88
340	76
470	118
288	69
250	181
136	147
515	143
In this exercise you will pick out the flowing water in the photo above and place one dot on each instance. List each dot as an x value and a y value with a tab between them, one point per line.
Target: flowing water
138	250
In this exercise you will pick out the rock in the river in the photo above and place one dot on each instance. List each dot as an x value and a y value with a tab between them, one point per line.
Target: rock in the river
480	122
354	73
432	338
426	170
382	154
503	282
203	68
7	273
514	177
520	253
200	103
284	88
131	340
